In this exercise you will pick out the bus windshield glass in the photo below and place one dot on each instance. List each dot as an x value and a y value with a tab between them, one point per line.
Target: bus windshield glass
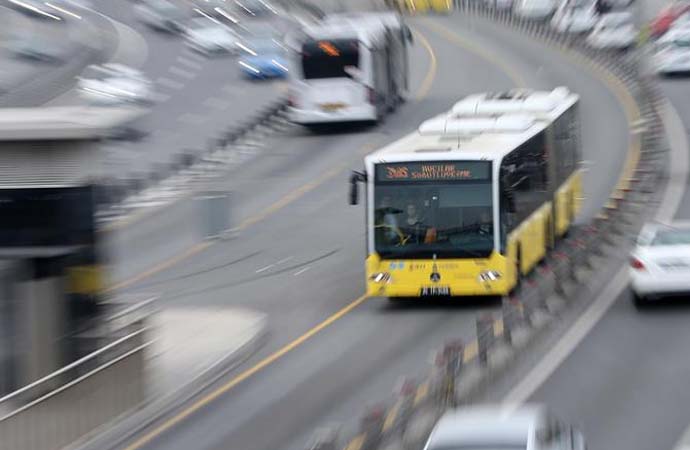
329	58
442	209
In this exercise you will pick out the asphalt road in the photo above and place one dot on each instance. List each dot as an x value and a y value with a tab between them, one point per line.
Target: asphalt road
626	382
301	260
197	97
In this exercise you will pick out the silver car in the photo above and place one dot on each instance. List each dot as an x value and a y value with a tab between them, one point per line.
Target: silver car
529	427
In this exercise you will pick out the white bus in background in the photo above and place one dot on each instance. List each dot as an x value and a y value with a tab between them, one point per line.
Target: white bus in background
349	68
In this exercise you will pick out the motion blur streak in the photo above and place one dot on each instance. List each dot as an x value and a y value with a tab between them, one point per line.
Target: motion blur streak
243	376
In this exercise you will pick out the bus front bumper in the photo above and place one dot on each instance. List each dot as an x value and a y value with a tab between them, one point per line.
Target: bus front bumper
364	113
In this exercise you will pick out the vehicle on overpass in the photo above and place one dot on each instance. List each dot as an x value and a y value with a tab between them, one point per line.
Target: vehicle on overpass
349	68
575	16
615	31
534	9
672	52
529	427
161	15
210	37
263	58
660	263
475	198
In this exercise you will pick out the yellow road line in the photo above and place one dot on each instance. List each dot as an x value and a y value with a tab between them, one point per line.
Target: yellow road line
188	411
470	352
356	442
471	47
160	267
430	76
391	416
422	392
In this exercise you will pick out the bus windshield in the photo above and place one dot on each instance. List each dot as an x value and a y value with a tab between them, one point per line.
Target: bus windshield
450	217
329	58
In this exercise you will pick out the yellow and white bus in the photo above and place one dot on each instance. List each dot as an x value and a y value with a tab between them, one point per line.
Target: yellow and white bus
474	199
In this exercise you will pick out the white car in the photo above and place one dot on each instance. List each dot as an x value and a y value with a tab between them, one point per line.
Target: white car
534	9
660	262
575	16
113	84
672	52
614	30
161	15
682	22
209	36
529	427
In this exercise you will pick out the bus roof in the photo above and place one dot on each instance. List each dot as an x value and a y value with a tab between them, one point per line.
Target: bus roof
389	19
368	32
480	127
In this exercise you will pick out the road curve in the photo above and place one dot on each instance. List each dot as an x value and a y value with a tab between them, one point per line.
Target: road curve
302	261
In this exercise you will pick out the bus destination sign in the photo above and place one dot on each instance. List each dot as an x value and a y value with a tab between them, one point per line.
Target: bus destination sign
434	171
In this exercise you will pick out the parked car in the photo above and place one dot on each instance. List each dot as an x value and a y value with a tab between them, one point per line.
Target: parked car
534	9
575	16
614	30
531	427
115	84
209	36
664	20
660	263
672	53
263	58
161	15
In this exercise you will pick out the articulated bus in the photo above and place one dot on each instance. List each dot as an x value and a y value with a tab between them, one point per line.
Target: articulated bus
349	68
475	198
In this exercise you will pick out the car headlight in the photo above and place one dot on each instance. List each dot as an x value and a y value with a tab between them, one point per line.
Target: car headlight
489	275
381	277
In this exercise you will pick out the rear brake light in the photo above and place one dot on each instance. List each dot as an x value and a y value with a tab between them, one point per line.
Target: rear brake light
291	101
372	96
636	264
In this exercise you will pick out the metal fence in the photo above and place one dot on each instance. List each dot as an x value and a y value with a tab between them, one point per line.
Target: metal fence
77	399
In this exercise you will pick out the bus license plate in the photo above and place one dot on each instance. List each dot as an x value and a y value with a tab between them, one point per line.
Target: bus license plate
435	291
330	107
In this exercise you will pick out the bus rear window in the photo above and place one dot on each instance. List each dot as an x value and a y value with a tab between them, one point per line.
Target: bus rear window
329	58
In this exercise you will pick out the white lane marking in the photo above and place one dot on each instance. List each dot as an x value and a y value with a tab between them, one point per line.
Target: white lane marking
216	103
185	61
264	269
284	260
301	271
194	119
178	71
565	346
167	82
669	206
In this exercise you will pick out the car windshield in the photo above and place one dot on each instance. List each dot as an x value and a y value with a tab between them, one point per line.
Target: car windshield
671	237
427	209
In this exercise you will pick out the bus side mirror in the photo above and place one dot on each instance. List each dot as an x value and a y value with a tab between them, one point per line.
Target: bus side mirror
355	178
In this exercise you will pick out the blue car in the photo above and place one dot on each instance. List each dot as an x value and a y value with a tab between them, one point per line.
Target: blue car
263	59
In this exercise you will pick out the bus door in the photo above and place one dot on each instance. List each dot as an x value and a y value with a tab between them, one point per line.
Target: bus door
328	71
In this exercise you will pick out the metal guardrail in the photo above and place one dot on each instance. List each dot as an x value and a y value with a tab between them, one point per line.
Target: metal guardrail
62	407
552	287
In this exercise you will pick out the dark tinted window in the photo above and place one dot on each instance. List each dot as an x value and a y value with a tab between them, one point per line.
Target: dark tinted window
46	217
329	58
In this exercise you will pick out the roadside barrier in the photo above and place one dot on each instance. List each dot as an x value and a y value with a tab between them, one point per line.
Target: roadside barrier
460	371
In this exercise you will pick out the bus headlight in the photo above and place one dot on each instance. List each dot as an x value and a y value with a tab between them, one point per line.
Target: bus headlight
381	277
489	275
